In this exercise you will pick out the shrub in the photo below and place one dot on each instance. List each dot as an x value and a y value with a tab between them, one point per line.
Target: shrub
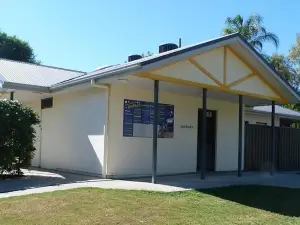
17	136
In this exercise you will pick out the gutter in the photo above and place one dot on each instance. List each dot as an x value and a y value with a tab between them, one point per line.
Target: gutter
41	138
112	73
73	82
106	137
25	87
58	87
93	84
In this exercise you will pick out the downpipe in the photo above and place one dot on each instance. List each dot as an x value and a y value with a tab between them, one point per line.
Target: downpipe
106	139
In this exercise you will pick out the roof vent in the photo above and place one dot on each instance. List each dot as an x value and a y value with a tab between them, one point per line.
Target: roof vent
167	47
134	57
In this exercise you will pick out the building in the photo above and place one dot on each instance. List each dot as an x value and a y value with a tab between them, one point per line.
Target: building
148	116
260	115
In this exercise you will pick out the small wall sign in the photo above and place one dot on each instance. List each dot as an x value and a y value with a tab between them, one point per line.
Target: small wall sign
186	126
209	114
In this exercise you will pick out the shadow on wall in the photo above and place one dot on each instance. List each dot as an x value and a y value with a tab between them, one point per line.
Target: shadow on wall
284	201
73	132
83	154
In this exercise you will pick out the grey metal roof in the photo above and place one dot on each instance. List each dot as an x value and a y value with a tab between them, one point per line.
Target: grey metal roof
151	62
279	110
66	78
168	54
102	71
31	74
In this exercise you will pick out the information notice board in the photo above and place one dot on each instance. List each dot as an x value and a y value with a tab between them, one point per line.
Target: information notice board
138	119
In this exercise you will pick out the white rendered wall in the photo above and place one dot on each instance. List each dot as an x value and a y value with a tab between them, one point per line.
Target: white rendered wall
254	118
36	107
133	155
73	131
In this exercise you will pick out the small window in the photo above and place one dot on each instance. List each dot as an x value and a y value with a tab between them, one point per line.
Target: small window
260	123
47	103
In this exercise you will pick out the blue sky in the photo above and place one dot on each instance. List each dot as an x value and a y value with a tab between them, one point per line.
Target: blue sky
85	34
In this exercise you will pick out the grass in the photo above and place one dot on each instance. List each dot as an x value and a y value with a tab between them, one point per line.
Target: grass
230	205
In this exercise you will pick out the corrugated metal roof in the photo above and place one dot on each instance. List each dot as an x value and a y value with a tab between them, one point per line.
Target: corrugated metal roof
278	110
32	74
101	71
111	70
155	57
56	78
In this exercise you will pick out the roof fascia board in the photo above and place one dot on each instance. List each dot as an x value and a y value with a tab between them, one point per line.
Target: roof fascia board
25	87
111	74
269	67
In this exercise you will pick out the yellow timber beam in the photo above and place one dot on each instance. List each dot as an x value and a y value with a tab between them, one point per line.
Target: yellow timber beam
258	74
225	66
203	70
153	76
240	80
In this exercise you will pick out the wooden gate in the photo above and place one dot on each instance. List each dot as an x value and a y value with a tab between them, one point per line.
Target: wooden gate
257	155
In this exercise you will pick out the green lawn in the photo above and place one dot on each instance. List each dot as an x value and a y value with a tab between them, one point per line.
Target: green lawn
231	205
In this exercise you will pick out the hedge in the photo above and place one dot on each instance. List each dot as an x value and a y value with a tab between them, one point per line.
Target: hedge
17	136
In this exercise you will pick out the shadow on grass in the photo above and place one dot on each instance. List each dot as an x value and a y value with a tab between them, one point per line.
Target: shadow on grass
284	201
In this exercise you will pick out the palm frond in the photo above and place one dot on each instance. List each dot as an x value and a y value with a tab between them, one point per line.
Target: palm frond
227	31
257	44
269	37
239	20
254	20
251	29
235	23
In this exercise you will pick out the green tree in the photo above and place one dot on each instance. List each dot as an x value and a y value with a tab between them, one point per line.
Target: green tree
285	67
251	29
294	57
294	54
12	47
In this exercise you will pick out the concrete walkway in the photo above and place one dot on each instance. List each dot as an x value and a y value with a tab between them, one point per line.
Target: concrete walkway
39	181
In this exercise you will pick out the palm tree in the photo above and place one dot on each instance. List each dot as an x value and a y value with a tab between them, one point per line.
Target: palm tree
251	29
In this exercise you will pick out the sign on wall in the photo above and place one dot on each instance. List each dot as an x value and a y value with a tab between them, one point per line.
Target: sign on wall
138	119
